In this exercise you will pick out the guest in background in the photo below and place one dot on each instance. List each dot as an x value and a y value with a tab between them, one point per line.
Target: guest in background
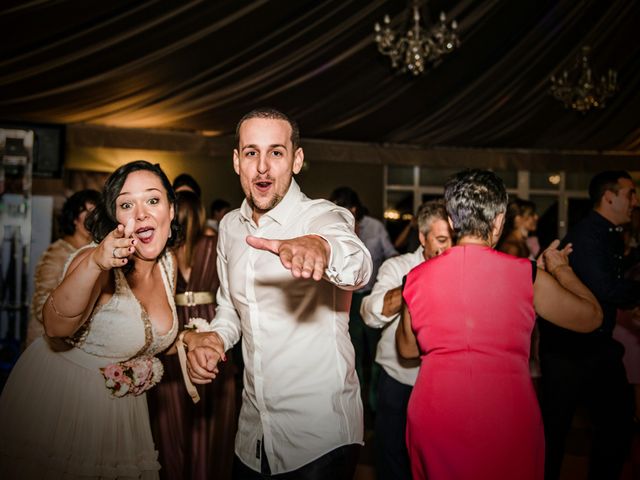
627	332
408	238
184	181
194	441
48	272
382	310
588	367
473	413
82	413
219	208
521	220
375	237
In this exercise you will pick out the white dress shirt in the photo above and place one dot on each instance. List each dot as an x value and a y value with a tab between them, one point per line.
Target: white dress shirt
301	393
390	276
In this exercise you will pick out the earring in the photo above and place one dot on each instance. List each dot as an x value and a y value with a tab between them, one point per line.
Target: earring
169	233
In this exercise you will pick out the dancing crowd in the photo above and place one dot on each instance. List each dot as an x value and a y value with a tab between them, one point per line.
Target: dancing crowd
166	345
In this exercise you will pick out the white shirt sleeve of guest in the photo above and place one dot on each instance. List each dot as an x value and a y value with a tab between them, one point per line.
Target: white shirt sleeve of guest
389	277
227	322
350	263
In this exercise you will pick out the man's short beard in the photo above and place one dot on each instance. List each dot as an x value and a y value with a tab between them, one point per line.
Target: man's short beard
272	204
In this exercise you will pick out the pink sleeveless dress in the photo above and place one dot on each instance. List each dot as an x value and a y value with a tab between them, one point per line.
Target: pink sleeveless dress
473	413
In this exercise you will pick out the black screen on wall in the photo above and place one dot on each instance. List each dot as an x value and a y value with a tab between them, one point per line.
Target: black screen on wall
48	149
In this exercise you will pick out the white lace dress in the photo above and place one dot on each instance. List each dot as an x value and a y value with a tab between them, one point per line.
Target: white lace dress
58	420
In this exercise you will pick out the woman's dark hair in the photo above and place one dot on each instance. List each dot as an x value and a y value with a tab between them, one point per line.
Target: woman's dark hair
517	207
473	199
102	220
191	217
347	198
74	206
186	180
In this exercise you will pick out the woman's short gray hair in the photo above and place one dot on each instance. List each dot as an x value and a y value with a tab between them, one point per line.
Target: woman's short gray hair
473	200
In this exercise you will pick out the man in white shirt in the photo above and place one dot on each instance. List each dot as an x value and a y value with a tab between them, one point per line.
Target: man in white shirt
381	309
287	265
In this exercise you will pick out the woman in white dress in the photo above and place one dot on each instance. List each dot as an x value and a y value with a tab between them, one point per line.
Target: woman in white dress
82	413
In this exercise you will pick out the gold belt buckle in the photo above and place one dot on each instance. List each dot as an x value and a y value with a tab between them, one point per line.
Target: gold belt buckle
191	298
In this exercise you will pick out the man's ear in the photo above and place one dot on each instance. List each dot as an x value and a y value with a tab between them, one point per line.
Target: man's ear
422	238
236	161
607	197
298	160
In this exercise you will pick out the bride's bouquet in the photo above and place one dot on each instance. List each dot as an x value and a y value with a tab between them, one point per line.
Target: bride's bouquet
133	376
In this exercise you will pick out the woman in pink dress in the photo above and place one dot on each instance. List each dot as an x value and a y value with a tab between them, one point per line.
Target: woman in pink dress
473	413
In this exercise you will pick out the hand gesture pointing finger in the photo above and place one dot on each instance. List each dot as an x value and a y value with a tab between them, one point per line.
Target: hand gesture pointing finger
306	256
116	247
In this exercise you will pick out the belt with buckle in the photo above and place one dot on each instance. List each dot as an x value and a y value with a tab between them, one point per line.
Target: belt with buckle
191	299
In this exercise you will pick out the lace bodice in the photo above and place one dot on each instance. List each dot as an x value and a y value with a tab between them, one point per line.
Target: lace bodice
121	328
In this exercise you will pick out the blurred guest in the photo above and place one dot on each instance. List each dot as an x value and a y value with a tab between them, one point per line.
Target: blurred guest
382	310
194	441
219	208
627	332
627	329
521	220
588	367
375	237
184	181
408	238
473	413
48	272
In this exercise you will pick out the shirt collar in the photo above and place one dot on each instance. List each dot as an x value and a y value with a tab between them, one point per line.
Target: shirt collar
281	211
603	223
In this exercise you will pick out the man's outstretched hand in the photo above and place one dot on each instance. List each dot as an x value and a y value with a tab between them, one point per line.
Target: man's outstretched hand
306	257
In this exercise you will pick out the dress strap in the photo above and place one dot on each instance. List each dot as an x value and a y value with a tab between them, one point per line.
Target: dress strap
166	262
534	271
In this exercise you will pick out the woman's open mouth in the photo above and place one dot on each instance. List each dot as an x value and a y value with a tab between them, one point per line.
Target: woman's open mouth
145	234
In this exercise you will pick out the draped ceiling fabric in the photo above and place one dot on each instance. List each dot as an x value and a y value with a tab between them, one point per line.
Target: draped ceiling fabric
198	66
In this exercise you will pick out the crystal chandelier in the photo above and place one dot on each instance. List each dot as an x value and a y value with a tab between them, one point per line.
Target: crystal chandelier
580	90
412	51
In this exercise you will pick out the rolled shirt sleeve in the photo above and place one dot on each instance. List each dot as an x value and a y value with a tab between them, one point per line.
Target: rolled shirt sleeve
350	263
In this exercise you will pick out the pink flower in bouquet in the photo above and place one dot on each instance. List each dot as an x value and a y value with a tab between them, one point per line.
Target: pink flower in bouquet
115	371
141	370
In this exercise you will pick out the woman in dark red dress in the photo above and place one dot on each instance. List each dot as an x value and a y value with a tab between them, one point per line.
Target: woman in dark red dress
195	441
473	412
